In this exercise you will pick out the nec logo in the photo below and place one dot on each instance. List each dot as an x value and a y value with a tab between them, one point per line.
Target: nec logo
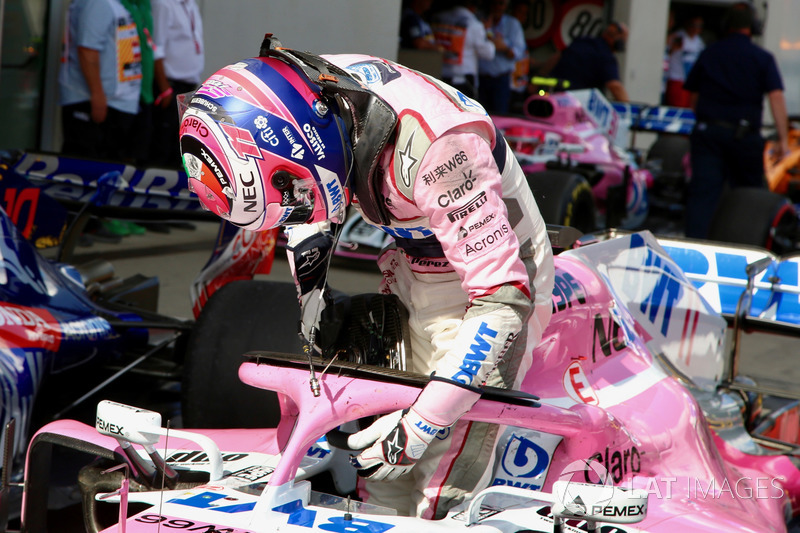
471	206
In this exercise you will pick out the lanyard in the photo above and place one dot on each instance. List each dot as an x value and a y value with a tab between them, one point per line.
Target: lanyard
190	16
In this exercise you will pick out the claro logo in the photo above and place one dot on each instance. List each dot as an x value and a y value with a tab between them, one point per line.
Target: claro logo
618	463
459	192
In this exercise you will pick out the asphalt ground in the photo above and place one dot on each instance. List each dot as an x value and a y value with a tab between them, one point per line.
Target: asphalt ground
176	258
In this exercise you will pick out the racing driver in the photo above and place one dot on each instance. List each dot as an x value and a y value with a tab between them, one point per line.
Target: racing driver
290	139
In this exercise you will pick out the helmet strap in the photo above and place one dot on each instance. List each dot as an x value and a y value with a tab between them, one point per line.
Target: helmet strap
370	120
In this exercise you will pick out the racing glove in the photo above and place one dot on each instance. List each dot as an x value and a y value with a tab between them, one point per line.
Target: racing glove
395	442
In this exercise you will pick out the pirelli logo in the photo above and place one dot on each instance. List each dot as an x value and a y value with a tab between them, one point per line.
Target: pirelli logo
471	206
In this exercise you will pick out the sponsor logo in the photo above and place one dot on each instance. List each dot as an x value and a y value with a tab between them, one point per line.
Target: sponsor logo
579	524
249	194
418	232
525	460
484	242
196	125
611	339
204	103
108	427
212	164
567	291
469	208
441	170
265	131
297	151
435	263
613	510
666	292
182	523
577	386
425	428
372	72
471	363
335	195
316	141
90	329
253	474
198	456
213	501
407	161
617	464
459	192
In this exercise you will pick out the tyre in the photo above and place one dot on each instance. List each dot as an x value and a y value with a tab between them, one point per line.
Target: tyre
669	149
755	216
241	316
564	199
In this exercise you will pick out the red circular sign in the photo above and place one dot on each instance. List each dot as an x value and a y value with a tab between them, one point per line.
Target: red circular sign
541	22
578	18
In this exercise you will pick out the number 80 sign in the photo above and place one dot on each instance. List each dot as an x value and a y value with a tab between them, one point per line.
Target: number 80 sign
578	18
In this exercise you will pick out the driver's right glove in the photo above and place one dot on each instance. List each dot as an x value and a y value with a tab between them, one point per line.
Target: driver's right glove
395	442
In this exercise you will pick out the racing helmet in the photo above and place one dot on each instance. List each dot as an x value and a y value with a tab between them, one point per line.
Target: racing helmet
262	147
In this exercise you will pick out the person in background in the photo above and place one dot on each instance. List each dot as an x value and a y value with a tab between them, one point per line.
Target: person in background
415	32
685	46
178	35
471	259
100	80
143	124
589	62
728	83
521	77
464	40
494	87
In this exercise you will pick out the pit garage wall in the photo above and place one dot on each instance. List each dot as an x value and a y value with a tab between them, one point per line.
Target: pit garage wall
234	29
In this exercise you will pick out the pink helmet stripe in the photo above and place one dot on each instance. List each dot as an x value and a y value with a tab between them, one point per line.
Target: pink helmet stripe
261	93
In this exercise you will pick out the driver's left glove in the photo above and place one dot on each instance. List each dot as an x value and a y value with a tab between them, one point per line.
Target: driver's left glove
397	441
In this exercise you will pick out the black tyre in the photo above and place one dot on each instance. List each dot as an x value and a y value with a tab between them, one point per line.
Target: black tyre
755	216
669	149
241	316
564	198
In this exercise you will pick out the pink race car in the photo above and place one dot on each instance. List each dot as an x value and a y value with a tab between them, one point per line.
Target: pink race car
570	145
636	425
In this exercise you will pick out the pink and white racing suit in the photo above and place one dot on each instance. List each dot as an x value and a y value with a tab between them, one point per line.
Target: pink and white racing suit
472	264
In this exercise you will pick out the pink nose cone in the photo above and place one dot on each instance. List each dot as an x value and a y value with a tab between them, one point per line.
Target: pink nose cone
210	199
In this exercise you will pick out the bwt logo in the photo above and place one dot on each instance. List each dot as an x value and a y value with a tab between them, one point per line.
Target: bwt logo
471	363
335	194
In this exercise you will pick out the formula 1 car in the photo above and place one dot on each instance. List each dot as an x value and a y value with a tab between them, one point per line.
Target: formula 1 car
70	330
765	217
568	143
633	418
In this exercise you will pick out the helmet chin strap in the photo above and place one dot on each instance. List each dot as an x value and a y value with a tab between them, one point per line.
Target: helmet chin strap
369	120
